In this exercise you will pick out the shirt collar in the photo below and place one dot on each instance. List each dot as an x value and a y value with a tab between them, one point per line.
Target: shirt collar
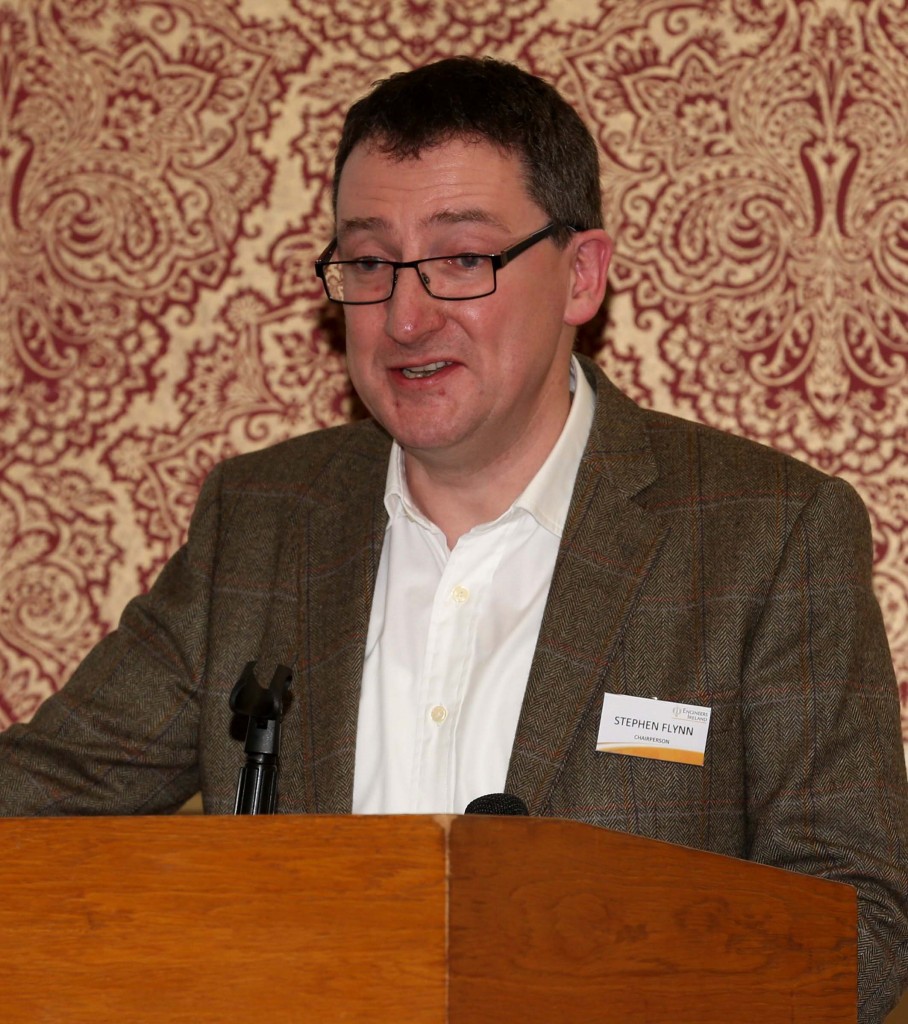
548	495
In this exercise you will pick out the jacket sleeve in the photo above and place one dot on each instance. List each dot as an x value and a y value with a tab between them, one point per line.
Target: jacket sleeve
121	737
825	770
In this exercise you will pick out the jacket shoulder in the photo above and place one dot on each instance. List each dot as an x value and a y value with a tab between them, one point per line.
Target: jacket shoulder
337	459
680	442
683	449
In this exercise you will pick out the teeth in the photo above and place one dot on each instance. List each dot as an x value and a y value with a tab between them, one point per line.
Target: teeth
415	372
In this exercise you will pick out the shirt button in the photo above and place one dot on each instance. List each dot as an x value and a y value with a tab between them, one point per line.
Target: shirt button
438	714
460	594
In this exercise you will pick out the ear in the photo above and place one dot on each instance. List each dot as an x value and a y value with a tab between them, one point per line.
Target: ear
592	253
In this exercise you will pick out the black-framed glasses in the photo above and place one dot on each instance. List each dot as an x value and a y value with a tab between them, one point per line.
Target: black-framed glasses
464	275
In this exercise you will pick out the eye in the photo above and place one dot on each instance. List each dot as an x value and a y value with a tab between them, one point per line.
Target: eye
466	261
368	264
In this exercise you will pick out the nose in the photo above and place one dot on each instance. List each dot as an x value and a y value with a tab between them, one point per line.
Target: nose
411	313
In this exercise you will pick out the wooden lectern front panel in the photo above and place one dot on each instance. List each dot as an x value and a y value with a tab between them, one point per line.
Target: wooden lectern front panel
471	920
223	919
557	921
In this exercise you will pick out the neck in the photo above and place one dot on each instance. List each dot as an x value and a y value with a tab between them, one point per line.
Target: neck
458	503
457	494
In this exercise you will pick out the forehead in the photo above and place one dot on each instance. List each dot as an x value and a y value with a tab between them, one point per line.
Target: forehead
473	179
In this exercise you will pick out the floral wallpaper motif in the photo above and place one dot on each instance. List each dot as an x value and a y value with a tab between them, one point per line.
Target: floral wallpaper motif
164	188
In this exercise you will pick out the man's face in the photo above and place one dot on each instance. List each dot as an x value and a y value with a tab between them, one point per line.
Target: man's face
458	384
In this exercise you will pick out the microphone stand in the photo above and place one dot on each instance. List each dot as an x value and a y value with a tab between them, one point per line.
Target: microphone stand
256	791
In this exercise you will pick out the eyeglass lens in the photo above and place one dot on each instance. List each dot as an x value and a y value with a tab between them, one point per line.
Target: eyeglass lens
465	276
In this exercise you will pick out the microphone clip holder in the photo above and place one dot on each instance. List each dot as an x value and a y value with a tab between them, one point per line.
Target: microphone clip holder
256	791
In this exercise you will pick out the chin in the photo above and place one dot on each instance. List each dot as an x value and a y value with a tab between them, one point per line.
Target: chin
418	432
421	439
417	441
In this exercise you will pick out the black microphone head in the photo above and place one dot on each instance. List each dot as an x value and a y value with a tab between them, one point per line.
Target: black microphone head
496	803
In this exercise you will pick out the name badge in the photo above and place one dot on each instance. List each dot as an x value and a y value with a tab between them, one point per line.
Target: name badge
645	727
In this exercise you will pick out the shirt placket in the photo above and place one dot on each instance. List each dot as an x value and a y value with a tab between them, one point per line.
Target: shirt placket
450	661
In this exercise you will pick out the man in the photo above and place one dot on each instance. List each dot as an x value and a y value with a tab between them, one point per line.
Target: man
462	603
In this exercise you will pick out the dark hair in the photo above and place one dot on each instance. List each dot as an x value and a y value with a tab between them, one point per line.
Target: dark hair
485	100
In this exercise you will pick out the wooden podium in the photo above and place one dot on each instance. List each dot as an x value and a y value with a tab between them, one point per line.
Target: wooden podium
469	920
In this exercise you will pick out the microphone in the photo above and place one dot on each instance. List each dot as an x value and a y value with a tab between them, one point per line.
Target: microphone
496	803
256	791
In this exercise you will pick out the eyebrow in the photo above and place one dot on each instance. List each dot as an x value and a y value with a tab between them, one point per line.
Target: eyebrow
362	224
473	215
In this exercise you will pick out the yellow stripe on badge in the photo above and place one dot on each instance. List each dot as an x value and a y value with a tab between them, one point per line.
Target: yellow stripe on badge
655	753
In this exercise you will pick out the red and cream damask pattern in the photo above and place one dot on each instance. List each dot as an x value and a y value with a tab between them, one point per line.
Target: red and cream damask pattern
165	186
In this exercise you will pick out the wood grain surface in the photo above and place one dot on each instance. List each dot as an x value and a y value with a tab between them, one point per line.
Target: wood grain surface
222	919
407	919
557	921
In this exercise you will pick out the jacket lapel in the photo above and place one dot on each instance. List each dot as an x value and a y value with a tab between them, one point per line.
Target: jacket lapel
609	546
340	546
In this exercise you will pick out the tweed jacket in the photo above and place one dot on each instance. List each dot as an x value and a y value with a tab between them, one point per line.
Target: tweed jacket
695	567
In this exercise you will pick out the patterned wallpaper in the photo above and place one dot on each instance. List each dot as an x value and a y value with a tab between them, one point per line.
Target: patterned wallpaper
164	188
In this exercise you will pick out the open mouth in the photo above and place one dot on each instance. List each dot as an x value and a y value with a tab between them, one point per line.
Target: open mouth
419	372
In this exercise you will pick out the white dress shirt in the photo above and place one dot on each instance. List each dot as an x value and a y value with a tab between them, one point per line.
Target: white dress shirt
452	635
